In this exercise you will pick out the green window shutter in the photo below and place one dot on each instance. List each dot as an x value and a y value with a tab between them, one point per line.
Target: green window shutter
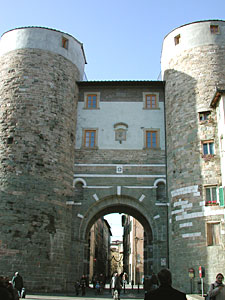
221	196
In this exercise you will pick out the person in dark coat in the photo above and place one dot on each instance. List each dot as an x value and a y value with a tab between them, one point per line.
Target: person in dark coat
4	292
17	282
165	290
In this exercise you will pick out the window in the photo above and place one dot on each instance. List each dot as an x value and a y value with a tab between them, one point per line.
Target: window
161	192
151	139
150	100
214	29
208	147
211	195
203	116
213	234
177	39
89	138
91	100
65	42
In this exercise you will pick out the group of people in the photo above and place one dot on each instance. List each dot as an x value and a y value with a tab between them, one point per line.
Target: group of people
80	285
12	289
160	288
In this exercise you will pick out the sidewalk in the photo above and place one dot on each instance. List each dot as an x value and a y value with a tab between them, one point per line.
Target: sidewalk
195	297
90	295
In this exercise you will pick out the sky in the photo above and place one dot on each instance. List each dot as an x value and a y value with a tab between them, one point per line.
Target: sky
122	39
114	221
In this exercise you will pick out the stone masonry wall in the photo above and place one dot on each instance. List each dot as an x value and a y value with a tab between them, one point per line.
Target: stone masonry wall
38	97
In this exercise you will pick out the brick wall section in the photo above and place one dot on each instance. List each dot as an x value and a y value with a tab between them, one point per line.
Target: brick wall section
38	96
190	85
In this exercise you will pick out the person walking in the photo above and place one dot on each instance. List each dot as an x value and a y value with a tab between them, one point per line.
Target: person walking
83	285
17	282
217	289
165	290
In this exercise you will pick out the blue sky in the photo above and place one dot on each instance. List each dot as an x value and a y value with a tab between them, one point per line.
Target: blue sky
122	38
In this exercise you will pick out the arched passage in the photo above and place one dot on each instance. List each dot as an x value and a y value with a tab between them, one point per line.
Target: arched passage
140	210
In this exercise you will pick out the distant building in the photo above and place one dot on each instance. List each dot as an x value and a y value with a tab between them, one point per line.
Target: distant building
133	240
99	262
116	257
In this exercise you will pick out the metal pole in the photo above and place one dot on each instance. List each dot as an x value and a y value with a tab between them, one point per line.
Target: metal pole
202	287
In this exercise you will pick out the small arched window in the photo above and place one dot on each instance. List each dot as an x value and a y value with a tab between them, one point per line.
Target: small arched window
161	192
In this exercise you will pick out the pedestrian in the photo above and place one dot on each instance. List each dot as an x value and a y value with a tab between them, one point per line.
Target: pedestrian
165	290
113	283
217	289
17	282
83	285
116	284
4	292
77	287
132	284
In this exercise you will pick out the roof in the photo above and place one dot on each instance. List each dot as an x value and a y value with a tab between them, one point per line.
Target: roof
216	97
122	83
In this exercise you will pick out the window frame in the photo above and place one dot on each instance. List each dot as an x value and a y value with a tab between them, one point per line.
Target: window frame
205	114
214	29
151	130
65	43
147	94
208	142
212	200
86	100
212	239
177	39
90	130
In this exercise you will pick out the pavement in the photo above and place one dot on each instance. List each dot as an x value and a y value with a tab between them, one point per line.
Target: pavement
91	295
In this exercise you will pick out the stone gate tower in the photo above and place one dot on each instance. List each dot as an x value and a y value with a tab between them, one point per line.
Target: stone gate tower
193	66
39	68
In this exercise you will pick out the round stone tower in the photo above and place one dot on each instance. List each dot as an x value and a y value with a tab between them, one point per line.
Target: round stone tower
39	68
193	66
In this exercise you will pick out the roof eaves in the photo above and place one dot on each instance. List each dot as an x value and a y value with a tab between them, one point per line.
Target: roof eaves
216	97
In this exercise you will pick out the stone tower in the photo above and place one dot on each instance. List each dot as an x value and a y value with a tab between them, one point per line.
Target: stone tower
39	68
193	66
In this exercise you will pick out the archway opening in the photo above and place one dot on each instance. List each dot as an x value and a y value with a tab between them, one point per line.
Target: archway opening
128	253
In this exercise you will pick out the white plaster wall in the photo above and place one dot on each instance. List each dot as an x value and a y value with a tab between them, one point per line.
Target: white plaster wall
110	113
45	39
221	135
191	35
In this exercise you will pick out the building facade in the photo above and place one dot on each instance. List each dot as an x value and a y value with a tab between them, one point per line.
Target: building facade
72	151
100	254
